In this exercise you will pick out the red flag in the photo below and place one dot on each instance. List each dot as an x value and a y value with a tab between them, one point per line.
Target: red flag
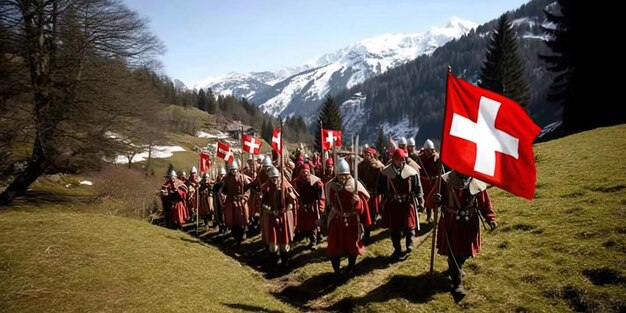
223	151
250	144
489	137
276	144
329	136
205	162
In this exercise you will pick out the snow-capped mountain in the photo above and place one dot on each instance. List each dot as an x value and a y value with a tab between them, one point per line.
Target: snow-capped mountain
301	94
297	91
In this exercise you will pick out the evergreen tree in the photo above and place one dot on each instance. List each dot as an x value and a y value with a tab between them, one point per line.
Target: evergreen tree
211	106
503	70
201	102
381	142
330	117
575	73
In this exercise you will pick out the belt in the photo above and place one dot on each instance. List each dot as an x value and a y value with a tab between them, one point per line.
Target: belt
345	214
431	178
274	212
402	198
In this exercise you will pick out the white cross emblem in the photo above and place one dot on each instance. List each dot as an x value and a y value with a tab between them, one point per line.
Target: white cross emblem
484	134
276	139
252	144
330	138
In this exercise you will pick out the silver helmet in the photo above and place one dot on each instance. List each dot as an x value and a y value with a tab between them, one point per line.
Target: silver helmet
233	165
222	171
267	161
343	167
184	174
173	174
410	142
273	172
429	144
194	170
402	141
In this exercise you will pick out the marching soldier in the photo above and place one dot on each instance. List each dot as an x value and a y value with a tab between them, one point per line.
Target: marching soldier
278	217
369	170
410	146
430	172
236	212
347	201
205	203
464	200
312	198
329	171
192	184
403	196
176	193
218	200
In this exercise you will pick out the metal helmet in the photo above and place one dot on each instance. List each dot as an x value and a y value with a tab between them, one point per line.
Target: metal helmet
267	161
260	158
184	173
222	171
205	175
194	170
233	165
429	144
173	174
273	172
410	142
343	167
402	141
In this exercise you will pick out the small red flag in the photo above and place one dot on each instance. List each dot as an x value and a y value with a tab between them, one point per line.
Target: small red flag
329	136
276	144
205	162
250	144
223	151
489	137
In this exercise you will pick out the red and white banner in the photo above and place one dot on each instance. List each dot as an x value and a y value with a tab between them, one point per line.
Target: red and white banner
205	162
223	151
328	137
250	144
276	141
489	137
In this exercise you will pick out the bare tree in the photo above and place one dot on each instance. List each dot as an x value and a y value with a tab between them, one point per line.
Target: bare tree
80	56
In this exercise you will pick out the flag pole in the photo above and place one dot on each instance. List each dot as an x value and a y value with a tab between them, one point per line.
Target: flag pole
436	209
322	148
198	197
242	158
282	168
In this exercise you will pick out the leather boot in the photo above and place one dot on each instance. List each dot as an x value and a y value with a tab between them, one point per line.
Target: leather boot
351	269
397	248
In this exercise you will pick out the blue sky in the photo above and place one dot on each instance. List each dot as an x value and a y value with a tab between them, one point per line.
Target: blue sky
207	38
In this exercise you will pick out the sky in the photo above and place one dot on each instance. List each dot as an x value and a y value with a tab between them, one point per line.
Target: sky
206	38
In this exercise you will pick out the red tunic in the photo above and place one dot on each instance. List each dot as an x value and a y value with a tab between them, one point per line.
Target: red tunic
206	199
236	203
278	222
311	200
177	195
344	219
430	173
400	211
463	235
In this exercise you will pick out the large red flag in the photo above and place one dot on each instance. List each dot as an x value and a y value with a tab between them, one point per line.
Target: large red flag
329	136
276	144
489	137
223	151
205	162
250	144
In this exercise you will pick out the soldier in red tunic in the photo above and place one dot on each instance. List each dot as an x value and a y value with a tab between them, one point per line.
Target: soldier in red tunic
403	196
431	169
205	201
347	202
174	193
278	218
236	212
464	200
329	171
312	202
369	170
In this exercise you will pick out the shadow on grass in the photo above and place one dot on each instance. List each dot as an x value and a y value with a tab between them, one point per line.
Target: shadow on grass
250	308
416	289
312	288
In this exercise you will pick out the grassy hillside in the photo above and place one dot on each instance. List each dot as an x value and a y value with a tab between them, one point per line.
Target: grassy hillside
564	251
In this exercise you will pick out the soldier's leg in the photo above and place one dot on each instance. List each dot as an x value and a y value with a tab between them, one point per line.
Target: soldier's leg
351	270
273	249
335	261
313	239
408	236
284	254
455	268
430	216
395	240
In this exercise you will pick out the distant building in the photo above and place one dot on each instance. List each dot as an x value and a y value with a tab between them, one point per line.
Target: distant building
234	128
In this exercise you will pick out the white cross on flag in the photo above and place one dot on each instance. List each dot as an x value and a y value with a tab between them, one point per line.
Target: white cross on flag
489	137
276	144
329	136
223	151
250	144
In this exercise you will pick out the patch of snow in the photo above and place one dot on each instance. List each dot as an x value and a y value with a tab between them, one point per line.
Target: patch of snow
158	152
86	182
219	135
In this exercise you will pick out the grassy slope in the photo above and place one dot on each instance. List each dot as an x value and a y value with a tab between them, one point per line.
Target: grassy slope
536	261
57	257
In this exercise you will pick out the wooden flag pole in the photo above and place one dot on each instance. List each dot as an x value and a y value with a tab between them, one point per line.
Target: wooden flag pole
282	168
322	149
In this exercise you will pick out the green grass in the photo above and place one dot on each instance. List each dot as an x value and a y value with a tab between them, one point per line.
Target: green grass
564	251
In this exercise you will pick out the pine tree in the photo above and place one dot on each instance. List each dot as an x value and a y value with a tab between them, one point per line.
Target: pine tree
211	106
330	117
503	70
381	142
201	102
